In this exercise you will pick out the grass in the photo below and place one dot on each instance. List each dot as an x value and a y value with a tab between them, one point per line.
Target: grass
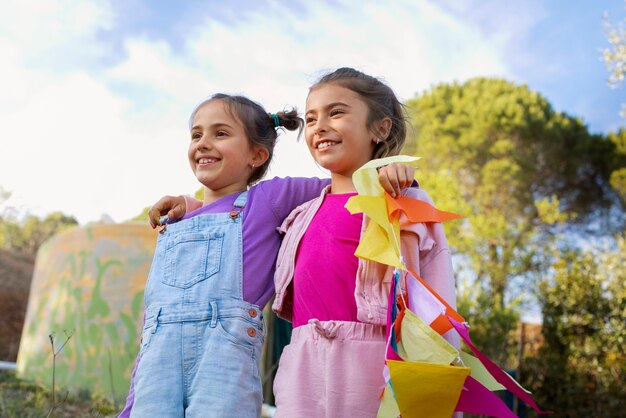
22	399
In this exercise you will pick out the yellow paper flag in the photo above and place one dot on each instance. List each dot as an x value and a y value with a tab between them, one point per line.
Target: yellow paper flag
425	389
419	342
388	406
381	240
480	373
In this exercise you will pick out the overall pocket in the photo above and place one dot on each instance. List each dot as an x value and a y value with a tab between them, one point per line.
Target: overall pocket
240	332
191	258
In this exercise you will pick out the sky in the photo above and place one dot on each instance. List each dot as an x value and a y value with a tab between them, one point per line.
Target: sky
95	95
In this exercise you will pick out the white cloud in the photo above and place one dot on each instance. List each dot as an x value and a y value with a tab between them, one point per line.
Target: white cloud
113	140
61	29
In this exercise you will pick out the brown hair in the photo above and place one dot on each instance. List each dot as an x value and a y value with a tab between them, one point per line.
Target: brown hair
260	126
381	102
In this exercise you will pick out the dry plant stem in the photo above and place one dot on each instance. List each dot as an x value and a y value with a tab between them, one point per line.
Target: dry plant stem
55	353
54	406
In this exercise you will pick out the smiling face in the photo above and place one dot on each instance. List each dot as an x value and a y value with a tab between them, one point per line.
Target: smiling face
220	153
337	131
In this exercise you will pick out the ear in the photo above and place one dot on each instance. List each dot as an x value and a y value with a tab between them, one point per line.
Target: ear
259	156
382	128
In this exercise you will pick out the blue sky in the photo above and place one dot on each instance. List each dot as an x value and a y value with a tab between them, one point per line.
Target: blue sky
96	94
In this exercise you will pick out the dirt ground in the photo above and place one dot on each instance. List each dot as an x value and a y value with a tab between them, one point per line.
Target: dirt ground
16	272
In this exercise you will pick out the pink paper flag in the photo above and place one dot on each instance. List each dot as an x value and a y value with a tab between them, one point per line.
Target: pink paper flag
423	303
477	399
502	378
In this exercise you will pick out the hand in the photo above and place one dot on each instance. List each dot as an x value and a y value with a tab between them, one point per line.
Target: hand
395	177
172	206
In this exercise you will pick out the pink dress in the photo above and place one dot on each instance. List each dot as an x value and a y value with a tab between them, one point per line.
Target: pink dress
333	364
334	368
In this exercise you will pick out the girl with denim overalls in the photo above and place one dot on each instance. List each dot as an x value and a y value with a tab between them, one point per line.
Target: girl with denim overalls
333	366
212	271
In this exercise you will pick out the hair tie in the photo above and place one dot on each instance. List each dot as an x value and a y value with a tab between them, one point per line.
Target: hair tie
276	120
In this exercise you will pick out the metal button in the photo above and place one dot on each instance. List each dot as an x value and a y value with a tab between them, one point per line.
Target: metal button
252	312
252	332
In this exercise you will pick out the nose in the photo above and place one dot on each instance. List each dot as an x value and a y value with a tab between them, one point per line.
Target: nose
320	126
203	143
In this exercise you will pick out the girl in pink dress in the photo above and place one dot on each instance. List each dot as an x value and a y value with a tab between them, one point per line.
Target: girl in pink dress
337	303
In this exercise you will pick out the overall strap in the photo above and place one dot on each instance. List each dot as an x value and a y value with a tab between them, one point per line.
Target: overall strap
240	202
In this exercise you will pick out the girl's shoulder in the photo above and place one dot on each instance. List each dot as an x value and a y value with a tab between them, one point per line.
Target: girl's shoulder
282	195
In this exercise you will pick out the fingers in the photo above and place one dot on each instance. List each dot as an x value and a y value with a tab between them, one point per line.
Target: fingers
408	176
386	182
395	177
388	177
155	213
178	211
160	208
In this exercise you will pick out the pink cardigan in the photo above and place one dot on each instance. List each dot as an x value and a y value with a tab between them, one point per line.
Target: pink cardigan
424	248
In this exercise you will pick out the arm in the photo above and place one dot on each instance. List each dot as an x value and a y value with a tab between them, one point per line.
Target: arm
293	191
432	259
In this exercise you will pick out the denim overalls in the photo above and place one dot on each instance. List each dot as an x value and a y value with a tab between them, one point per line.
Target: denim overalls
201	342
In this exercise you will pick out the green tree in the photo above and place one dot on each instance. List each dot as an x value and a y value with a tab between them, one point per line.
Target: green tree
499	154
491	325
618	163
580	370
614	57
26	236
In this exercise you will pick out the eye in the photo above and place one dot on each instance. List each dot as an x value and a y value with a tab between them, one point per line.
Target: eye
221	133
196	136
335	112
309	120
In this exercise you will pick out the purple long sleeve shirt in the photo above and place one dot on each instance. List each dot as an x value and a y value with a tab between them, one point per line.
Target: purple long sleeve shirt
268	204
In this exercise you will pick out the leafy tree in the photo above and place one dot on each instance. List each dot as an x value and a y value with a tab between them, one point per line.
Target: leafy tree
500	155
491	325
615	59
26	236
618	163
580	370
519	172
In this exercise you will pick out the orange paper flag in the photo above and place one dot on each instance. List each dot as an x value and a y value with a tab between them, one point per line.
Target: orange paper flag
417	210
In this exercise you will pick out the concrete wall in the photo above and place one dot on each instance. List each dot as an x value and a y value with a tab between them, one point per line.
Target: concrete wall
89	281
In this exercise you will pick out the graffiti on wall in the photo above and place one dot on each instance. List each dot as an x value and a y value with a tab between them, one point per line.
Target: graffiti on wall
88	282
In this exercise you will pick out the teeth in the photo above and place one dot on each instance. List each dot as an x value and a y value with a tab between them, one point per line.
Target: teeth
207	160
325	144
